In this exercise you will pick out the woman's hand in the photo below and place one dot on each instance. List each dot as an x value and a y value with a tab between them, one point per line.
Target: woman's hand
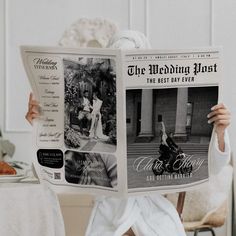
97	170
33	109
85	178
220	117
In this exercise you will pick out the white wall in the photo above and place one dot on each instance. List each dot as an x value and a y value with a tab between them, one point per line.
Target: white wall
225	34
167	23
20	139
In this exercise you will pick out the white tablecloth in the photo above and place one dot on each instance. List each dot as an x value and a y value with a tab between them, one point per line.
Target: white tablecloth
29	210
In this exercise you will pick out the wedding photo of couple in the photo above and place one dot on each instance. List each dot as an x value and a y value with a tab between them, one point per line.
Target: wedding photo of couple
90	116
90	104
168	135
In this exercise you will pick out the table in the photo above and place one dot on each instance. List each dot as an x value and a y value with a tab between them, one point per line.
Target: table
28	209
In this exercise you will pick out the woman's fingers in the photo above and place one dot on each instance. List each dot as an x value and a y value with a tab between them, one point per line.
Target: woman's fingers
89	180
218	118
34	103
85	177
82	179
219	111
31	97
89	158
31	100
33	109
97	157
30	116
218	106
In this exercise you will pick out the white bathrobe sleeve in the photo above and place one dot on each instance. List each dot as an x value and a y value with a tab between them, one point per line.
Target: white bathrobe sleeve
218	159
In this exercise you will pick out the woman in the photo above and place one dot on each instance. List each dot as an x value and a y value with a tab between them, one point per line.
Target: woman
147	215
219	116
96	124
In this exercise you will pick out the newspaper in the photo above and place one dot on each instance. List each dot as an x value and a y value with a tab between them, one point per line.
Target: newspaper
123	122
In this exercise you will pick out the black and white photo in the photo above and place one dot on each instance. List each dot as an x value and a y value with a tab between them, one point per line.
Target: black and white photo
168	135
83	168
90	104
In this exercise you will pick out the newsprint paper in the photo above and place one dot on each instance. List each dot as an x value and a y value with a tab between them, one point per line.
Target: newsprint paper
123	122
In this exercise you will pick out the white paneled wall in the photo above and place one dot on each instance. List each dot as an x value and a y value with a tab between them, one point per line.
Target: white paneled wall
42	23
179	24
167	23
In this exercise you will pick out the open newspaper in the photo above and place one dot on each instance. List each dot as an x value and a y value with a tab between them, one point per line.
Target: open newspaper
123	122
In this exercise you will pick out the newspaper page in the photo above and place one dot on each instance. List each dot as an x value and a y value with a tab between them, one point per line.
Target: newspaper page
76	140
122	122
168	97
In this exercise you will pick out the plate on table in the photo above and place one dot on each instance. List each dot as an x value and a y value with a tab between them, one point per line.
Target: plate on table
11	178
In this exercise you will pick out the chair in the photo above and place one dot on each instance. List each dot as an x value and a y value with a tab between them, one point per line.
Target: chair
212	219
180	204
219	188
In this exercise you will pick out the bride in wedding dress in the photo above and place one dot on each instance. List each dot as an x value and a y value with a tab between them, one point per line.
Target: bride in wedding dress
96	131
